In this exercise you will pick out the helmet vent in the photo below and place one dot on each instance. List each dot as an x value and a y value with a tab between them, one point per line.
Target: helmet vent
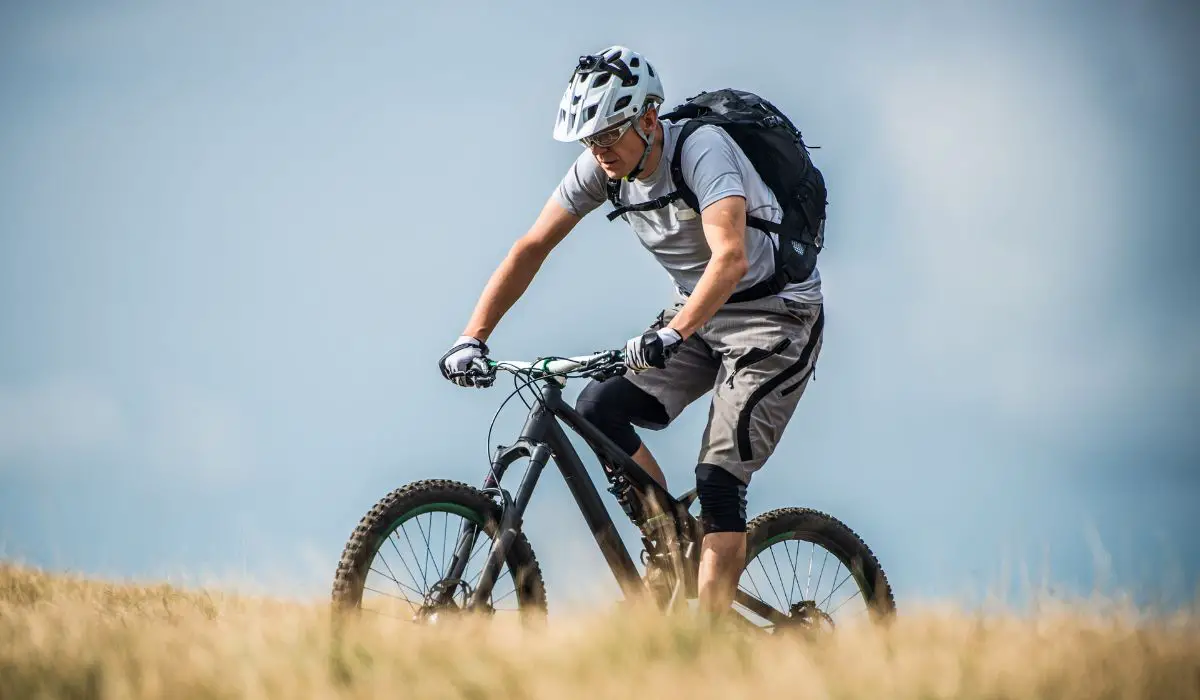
649	68
601	80
635	62
589	113
622	103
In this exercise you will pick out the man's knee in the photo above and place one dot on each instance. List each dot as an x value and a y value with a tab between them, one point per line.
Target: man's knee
614	406
722	499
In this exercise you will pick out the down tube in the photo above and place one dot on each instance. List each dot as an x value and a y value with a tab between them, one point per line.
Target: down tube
594	512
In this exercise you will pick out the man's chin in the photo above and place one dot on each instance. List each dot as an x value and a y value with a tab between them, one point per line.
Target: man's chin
613	172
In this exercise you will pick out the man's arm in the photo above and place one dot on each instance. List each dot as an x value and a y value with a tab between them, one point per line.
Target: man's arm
516	271
725	230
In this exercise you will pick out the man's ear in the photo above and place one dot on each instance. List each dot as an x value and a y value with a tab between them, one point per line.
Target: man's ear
649	118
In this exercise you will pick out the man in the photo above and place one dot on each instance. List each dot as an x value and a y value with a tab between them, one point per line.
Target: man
753	349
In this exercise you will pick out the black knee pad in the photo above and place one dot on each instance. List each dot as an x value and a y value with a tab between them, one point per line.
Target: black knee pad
722	499
614	406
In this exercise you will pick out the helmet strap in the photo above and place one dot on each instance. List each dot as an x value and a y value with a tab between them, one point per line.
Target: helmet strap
649	141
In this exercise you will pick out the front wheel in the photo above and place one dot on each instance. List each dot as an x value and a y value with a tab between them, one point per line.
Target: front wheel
806	569
397	561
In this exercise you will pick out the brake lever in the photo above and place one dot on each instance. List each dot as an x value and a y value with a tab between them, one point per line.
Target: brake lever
481	373
613	365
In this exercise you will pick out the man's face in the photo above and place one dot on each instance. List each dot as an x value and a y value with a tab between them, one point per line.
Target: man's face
619	159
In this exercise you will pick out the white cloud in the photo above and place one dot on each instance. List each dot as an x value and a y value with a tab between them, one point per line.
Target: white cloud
63	417
1011	223
195	432
70	424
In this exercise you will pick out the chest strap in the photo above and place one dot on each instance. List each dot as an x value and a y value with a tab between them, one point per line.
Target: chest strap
656	203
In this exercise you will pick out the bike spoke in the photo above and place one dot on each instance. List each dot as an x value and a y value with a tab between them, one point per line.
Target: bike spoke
849	575
504	571
398	583
787	600
389	595
754	583
445	518
750	604
424	578
819	575
497	600
788	552
770	583
391	575
808	580
428	547
479	574
402	559
758	607
847	600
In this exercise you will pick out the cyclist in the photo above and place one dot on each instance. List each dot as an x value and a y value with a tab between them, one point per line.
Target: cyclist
752	344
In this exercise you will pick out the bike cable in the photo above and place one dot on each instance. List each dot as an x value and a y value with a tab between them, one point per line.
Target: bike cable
518	391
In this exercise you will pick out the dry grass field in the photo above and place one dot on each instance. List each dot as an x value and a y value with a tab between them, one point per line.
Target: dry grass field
63	637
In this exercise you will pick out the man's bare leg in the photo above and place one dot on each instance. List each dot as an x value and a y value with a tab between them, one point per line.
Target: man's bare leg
722	556
646	461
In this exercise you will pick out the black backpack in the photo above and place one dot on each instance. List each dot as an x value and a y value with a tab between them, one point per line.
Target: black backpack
776	150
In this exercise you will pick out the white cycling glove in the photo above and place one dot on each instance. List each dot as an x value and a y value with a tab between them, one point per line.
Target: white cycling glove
457	360
651	349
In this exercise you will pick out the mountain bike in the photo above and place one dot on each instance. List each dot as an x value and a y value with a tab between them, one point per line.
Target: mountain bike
483	561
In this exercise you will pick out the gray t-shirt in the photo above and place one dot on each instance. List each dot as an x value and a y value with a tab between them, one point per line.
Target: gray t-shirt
715	167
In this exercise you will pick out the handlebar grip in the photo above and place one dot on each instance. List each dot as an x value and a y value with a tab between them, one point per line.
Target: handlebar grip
481	372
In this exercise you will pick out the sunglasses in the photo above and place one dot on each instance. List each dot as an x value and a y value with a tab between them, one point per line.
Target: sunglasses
608	137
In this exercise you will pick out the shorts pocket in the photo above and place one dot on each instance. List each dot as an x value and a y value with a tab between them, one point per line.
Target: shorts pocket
756	355
742	432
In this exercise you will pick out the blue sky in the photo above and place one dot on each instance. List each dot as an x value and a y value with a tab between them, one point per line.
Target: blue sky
234	240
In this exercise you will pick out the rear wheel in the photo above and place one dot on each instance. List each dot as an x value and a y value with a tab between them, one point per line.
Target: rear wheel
397	561
806	569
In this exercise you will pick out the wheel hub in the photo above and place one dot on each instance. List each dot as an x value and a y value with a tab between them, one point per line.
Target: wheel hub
806	615
439	601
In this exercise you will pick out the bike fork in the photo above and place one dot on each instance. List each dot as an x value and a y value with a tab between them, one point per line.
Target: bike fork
510	525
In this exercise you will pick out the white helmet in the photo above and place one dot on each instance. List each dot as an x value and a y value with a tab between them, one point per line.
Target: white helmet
606	89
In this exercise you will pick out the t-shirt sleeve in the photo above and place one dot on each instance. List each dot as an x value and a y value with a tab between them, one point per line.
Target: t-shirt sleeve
583	187
709	166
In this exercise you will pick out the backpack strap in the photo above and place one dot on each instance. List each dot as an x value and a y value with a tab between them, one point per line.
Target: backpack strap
656	203
682	191
770	286
685	193
777	281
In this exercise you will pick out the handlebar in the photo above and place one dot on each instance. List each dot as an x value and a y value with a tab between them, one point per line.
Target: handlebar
598	365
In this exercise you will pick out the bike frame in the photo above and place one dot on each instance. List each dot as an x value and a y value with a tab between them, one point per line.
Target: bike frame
542	439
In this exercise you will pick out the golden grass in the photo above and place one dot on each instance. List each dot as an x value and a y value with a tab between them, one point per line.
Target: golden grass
63	637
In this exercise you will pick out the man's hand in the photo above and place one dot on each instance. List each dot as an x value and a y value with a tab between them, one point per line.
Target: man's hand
651	349
457	360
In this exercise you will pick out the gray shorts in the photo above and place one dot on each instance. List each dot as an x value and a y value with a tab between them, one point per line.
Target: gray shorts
756	358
